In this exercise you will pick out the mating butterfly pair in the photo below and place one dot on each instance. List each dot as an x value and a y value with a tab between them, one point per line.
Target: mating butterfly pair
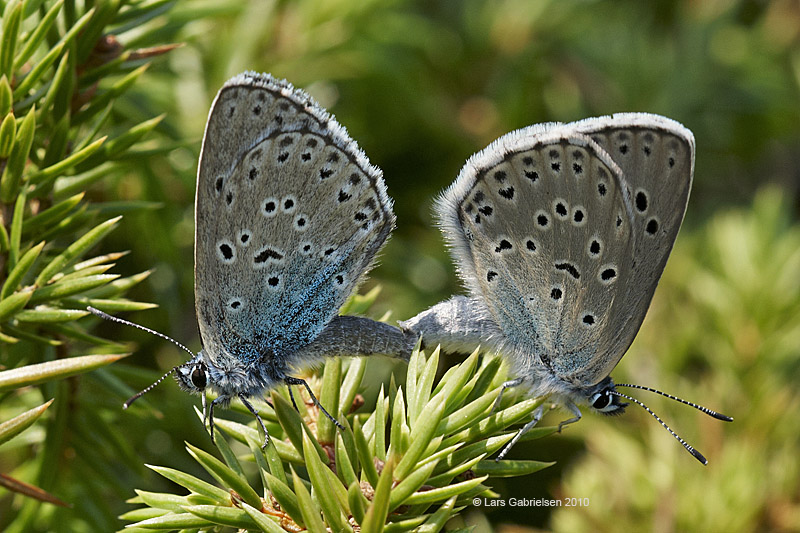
560	233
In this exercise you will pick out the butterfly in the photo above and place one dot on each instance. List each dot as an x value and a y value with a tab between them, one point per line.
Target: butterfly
289	216
560	233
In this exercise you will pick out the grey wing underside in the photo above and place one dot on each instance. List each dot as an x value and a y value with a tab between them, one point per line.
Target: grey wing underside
517	266
458	325
289	216
517	219
656	156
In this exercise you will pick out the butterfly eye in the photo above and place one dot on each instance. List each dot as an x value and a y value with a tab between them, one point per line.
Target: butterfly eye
199	377
601	400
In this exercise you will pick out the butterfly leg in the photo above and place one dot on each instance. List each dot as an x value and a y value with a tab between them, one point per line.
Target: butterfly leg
537	415
260	422
215	401
291	396
506	385
204	402
297	381
577	412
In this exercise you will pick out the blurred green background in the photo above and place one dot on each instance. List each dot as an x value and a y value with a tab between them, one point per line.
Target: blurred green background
421	85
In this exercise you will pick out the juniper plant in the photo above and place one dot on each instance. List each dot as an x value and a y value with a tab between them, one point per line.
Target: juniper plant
63	67
411	463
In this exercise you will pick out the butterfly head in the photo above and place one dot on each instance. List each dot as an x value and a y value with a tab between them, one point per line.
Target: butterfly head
193	376
601	398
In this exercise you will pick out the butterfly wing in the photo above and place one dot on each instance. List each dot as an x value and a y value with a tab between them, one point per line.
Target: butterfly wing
533	220
289	216
656	156
544	228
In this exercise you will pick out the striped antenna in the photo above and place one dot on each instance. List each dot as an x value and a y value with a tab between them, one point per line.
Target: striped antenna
706	410
106	316
689	448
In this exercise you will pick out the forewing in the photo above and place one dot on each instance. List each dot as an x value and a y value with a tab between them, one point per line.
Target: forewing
289	216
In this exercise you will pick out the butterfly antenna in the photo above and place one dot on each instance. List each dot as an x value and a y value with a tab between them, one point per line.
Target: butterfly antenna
148	389
706	410
139	394
106	316
689	448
